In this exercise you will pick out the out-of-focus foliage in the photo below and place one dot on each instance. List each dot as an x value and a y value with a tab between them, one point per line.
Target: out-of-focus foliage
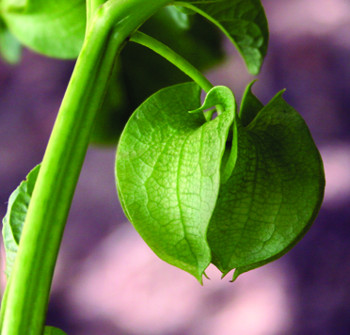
55	28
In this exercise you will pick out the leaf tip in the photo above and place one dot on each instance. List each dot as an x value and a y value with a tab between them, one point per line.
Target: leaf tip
206	276
236	273
281	92
199	278
223	275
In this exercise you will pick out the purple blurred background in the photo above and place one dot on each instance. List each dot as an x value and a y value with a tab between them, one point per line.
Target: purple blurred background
108	282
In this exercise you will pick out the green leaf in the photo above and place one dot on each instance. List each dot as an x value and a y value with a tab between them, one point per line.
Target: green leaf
14	219
274	192
243	21
54	28
53	331
168	172
270	174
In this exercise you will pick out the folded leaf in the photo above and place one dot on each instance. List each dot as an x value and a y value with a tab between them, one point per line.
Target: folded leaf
168	172
243	21
54	28
274	192
15	216
250	106
170	164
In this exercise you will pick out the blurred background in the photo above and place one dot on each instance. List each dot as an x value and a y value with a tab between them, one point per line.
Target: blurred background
108	282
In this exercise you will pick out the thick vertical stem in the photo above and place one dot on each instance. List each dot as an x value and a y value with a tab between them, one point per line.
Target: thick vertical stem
30	282
91	8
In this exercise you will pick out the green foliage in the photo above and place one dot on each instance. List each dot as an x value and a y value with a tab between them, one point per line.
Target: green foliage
185	197
201	184
54	28
126	91
274	191
15	216
238	200
168	167
245	25
243	21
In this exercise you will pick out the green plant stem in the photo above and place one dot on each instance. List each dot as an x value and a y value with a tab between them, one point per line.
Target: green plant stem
173	57
28	291
91	8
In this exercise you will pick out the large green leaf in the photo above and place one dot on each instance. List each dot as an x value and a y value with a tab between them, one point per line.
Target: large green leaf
168	173
54	28
274	192
243	21
15	216
169	163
